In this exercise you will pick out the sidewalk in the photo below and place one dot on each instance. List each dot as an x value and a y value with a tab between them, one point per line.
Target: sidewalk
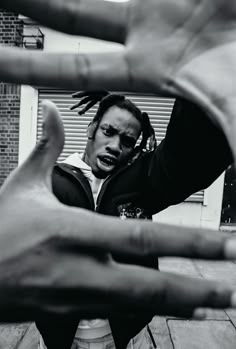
218	331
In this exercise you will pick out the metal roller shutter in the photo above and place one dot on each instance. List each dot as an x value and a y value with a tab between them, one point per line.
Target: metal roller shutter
159	110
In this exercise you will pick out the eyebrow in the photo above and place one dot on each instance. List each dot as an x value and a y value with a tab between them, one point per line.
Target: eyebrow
117	130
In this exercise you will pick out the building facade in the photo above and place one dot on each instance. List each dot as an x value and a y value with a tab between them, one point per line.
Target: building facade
10	28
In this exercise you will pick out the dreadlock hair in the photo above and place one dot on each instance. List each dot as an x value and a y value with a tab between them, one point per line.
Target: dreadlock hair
107	100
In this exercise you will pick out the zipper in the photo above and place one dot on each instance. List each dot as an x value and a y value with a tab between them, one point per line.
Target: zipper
105	184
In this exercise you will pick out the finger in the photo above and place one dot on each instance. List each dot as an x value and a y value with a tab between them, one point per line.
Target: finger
51	144
84	285
146	239
98	19
81	72
167	293
38	166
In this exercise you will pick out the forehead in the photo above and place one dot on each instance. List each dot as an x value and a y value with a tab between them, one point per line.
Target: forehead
122	120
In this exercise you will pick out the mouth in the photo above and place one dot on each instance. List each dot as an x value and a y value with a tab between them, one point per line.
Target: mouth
106	162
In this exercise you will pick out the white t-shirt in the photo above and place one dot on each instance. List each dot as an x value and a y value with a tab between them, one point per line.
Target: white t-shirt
95	328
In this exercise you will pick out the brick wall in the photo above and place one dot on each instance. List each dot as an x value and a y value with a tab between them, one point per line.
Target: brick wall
9	102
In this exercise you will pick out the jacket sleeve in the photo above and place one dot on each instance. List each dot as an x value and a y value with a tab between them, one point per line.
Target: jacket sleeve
190	158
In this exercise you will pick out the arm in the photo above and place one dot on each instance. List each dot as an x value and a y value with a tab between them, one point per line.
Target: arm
191	157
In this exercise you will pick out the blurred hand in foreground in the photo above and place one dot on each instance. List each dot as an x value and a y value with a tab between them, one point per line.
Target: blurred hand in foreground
56	259
181	48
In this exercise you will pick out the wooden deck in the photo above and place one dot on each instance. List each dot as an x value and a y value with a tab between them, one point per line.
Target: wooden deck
218	331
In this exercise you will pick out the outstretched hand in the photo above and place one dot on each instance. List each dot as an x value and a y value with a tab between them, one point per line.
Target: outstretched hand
56	259
181	48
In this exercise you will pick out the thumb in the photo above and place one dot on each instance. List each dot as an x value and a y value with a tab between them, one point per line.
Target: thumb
39	164
51	143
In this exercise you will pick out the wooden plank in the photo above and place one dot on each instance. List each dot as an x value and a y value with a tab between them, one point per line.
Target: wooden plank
232	315
31	338
11	335
178	265
218	270
213	314
202	334
161	333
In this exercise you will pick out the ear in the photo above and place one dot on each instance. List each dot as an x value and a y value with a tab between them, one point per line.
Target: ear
91	129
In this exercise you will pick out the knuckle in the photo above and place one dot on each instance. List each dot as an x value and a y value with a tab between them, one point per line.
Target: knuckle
219	297
206	246
139	241
197	246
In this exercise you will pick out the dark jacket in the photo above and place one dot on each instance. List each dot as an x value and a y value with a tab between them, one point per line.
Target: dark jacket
192	155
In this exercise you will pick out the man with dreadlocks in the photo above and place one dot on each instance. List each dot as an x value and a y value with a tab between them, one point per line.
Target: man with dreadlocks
83	180
123	173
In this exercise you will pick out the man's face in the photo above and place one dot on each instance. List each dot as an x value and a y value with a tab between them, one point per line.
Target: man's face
114	141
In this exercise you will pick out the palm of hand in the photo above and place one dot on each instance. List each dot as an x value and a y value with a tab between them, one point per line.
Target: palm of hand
56	259
186	50
37	241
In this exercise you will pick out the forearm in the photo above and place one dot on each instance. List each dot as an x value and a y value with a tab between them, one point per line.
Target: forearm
192	156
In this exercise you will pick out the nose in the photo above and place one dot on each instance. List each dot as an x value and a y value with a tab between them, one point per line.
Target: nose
114	146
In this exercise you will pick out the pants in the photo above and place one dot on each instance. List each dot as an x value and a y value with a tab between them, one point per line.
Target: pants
143	340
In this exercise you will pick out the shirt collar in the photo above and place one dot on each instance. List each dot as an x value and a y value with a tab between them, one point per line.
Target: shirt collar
76	161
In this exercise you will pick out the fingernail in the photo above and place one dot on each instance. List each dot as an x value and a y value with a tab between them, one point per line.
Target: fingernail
230	248
199	314
233	300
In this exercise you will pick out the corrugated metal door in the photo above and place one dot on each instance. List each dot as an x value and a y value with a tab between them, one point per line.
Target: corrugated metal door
159	110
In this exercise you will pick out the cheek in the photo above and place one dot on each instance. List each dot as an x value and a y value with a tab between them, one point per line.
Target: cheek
92	153
100	141
97	148
93	159
125	154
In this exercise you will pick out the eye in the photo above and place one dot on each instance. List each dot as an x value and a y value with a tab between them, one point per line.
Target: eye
128	142
108	132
